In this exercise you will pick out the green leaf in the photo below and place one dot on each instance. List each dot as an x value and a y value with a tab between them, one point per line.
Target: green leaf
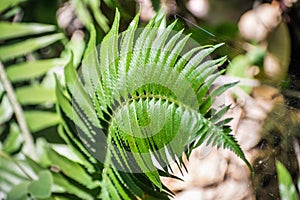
61	181
14	140
77	148
99	16
67	109
215	93
38	120
84	101
10	173
91	74
286	187
9	3
41	188
15	30
68	167
9	52
35	95
6	110
19	192
77	46
82	13
61	184
32	69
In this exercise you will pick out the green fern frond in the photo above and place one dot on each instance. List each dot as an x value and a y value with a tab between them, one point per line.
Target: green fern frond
143	100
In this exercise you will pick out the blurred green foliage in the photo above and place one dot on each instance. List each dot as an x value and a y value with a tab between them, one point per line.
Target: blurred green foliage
287	188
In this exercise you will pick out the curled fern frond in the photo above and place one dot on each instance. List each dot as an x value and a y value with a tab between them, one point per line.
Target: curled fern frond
139	102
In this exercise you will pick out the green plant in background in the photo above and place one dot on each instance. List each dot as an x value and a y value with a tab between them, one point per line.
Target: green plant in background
286	187
29	106
240	66
19	39
30	55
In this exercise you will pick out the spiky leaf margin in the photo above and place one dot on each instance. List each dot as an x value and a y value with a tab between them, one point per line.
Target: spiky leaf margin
93	108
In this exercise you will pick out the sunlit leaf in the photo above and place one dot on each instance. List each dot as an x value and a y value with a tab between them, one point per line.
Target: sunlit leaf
82	13
99	16
6	110
35	95
9	3
11	175
33	69
77	46
11	51
64	183
38	120
286	187
41	188
19	192
14	30
69	167
61	184
14	139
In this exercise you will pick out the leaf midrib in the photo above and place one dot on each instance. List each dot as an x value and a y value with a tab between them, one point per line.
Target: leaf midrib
155	96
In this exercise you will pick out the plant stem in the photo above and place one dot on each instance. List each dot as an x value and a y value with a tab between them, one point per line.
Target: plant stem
29	147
